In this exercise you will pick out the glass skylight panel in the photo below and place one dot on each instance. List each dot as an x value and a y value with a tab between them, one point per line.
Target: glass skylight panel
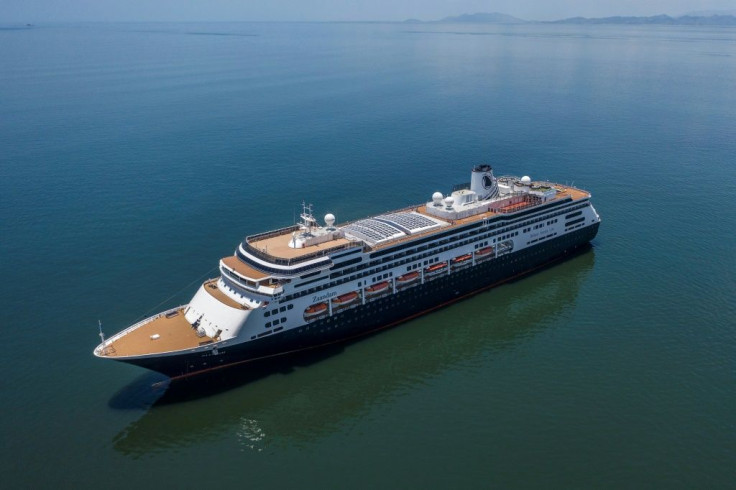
387	227
409	223
373	231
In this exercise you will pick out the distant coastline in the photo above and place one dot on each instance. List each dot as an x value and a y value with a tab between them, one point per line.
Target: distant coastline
693	19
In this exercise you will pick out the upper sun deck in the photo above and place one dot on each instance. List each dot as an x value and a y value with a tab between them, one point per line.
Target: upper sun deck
276	247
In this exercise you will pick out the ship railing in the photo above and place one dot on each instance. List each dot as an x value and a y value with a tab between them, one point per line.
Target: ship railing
271	234
295	260
544	183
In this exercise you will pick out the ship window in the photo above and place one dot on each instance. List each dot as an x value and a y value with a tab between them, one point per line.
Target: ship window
267	325
290	307
282	309
268	313
283	319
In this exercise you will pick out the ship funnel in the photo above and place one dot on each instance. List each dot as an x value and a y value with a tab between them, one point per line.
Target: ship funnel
483	183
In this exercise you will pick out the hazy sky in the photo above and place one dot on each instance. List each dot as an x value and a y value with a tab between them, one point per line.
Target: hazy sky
314	10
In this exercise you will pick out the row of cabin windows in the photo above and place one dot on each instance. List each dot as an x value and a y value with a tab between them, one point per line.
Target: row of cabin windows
416	257
276	310
422	264
263	334
275	322
381	277
377	269
540	225
541	238
273	270
575	227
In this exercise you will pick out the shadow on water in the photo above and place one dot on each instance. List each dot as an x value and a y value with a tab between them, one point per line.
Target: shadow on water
141	393
267	404
153	388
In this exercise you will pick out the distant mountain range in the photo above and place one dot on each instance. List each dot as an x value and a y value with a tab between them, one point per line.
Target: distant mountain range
684	20
715	18
486	18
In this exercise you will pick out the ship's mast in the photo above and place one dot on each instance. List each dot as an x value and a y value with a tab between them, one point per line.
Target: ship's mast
308	220
102	335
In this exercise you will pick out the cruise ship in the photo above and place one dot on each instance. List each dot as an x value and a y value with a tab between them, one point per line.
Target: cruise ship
311	285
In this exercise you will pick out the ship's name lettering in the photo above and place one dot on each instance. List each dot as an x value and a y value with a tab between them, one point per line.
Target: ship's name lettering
323	296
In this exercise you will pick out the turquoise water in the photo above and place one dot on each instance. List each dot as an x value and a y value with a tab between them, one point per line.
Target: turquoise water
134	156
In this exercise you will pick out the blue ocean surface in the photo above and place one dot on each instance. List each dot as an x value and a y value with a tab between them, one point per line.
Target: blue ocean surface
134	156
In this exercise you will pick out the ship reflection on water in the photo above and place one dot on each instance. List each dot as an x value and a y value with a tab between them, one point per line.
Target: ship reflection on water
286	403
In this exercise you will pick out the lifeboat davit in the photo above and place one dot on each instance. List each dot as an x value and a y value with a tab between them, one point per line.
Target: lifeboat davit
345	299
315	310
435	269
379	288
407	278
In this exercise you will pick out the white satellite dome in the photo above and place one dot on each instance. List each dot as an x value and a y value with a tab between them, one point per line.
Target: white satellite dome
437	198
449	201
526	180
329	219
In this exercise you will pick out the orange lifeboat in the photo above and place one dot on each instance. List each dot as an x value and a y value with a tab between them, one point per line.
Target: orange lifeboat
484	252
435	269
314	310
407	278
379	288
345	299
461	261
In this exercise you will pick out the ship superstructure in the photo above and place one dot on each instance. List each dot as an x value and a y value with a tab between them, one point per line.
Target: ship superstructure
309	285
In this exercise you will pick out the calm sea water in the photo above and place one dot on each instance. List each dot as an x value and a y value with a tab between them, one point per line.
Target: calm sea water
134	156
